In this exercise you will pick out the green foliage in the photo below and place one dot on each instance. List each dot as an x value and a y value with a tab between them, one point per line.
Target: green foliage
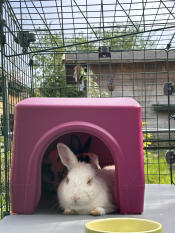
146	143
119	41
157	171
4	197
82	46
95	89
156	168
50	75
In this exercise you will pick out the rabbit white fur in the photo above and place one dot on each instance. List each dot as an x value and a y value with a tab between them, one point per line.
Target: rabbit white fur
85	189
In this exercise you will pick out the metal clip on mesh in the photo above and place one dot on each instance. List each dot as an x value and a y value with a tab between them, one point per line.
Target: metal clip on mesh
170	157
24	38
169	88
104	52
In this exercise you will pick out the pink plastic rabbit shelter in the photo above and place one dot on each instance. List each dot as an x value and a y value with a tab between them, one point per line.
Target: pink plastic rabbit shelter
115	125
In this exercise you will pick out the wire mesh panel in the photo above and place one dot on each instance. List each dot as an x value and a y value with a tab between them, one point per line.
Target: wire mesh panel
137	74
78	22
15	85
83	48
50	77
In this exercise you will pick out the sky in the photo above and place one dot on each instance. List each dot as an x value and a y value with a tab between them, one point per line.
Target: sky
70	17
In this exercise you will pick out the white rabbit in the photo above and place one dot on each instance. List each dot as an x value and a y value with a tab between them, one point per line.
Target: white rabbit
85	189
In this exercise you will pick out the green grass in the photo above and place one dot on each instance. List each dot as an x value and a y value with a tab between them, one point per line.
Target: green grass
157	171
4	197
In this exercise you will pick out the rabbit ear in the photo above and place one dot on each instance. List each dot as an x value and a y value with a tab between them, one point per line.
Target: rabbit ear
66	155
87	145
75	144
94	160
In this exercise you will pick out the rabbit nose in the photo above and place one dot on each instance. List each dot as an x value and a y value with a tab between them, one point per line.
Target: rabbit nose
75	198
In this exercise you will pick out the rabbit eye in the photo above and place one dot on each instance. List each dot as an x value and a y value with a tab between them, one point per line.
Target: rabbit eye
67	180
90	180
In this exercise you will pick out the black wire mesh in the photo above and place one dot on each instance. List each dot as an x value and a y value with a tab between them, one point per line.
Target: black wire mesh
15	85
137	74
150	21
65	59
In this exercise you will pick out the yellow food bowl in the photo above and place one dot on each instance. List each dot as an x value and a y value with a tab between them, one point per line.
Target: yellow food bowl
123	225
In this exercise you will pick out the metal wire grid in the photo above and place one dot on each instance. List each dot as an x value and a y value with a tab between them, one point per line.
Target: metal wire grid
70	21
151	21
15	84
142	81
